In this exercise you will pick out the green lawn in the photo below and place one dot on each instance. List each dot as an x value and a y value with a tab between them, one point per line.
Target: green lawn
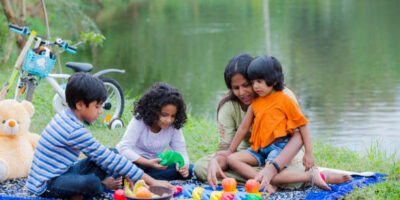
202	139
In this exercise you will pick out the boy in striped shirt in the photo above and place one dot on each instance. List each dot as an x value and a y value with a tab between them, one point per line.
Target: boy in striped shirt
55	172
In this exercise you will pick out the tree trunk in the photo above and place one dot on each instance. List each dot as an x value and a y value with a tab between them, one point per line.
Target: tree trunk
10	40
11	18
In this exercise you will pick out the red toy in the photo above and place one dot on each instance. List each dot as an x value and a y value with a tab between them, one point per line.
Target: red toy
119	194
178	189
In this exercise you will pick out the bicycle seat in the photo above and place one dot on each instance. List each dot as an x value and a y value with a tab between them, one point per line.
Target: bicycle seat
80	67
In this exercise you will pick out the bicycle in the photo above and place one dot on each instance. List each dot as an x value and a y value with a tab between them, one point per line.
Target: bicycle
38	63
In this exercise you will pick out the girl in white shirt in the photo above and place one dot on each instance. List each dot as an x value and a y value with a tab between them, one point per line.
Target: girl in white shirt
158	118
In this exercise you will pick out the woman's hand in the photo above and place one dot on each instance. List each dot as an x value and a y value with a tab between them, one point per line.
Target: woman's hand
308	161
213	170
184	171
154	163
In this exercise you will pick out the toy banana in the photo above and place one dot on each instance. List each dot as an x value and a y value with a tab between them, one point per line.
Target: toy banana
128	190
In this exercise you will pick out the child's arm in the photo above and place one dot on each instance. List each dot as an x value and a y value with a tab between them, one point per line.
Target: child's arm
178	144
151	181
129	139
240	133
111	162
308	159
153	163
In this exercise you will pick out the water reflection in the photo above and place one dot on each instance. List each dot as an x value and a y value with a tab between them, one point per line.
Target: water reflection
341	57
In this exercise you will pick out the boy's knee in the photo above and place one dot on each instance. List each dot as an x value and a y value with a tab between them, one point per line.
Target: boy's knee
92	185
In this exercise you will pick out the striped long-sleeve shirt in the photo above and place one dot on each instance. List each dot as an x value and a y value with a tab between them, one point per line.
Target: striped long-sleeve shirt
59	146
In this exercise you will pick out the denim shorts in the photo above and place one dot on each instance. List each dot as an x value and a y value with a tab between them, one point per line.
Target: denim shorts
269	152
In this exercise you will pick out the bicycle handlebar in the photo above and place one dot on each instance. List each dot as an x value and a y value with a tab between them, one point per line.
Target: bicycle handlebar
60	42
18	29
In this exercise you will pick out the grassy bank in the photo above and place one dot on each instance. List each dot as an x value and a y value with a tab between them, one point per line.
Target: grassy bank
202	139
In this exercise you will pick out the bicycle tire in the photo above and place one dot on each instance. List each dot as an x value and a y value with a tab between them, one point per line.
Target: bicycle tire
115	98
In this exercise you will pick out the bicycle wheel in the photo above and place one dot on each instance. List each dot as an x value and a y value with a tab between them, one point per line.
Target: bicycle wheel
114	104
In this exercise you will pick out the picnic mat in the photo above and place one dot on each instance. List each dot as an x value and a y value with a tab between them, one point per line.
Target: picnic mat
14	189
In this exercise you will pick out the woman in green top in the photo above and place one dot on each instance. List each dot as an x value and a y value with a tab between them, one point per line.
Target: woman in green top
230	113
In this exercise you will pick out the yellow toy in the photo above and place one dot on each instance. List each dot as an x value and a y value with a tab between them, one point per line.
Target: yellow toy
196	194
17	144
216	195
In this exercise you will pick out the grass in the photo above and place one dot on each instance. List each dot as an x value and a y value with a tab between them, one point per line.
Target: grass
202	139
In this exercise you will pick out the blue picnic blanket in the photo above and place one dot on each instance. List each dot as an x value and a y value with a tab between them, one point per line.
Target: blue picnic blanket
337	192
341	190
13	189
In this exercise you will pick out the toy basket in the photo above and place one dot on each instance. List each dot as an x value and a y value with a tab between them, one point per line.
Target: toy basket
39	65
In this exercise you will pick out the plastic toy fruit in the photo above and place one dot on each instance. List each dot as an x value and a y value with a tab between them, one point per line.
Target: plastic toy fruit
216	195
229	184
252	186
240	196
128	190
119	194
188	191
143	192
253	197
178	189
227	196
197	193
138	185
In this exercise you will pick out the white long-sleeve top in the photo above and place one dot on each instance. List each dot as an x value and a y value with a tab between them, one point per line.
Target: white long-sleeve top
139	141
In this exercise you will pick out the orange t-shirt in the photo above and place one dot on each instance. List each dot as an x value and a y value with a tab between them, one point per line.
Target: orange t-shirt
275	116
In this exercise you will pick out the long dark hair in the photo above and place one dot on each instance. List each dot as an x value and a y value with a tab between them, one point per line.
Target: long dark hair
237	65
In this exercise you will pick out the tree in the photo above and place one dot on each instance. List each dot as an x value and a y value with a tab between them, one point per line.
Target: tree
12	17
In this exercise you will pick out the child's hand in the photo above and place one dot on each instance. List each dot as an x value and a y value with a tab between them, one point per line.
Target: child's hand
154	163
161	183
184	171
224	153
308	161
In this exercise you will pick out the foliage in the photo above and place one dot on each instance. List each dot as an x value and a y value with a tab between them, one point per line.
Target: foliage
92	38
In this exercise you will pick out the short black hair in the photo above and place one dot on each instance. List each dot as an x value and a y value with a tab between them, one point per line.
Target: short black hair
84	87
148	107
269	69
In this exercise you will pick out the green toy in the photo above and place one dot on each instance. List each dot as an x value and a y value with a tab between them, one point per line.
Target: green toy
171	157
253	197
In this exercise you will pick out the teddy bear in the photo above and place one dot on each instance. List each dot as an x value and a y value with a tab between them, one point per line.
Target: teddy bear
17	144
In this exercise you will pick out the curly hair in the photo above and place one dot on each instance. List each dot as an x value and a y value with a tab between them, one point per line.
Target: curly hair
148	107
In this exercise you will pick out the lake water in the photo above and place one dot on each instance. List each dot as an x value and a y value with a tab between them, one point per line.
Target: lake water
342	57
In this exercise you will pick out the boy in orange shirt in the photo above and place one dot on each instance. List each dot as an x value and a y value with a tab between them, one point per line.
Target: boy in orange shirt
274	116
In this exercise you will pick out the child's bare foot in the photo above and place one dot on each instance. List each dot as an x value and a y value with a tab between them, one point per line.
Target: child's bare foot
318	181
112	183
336	178
77	197
271	188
